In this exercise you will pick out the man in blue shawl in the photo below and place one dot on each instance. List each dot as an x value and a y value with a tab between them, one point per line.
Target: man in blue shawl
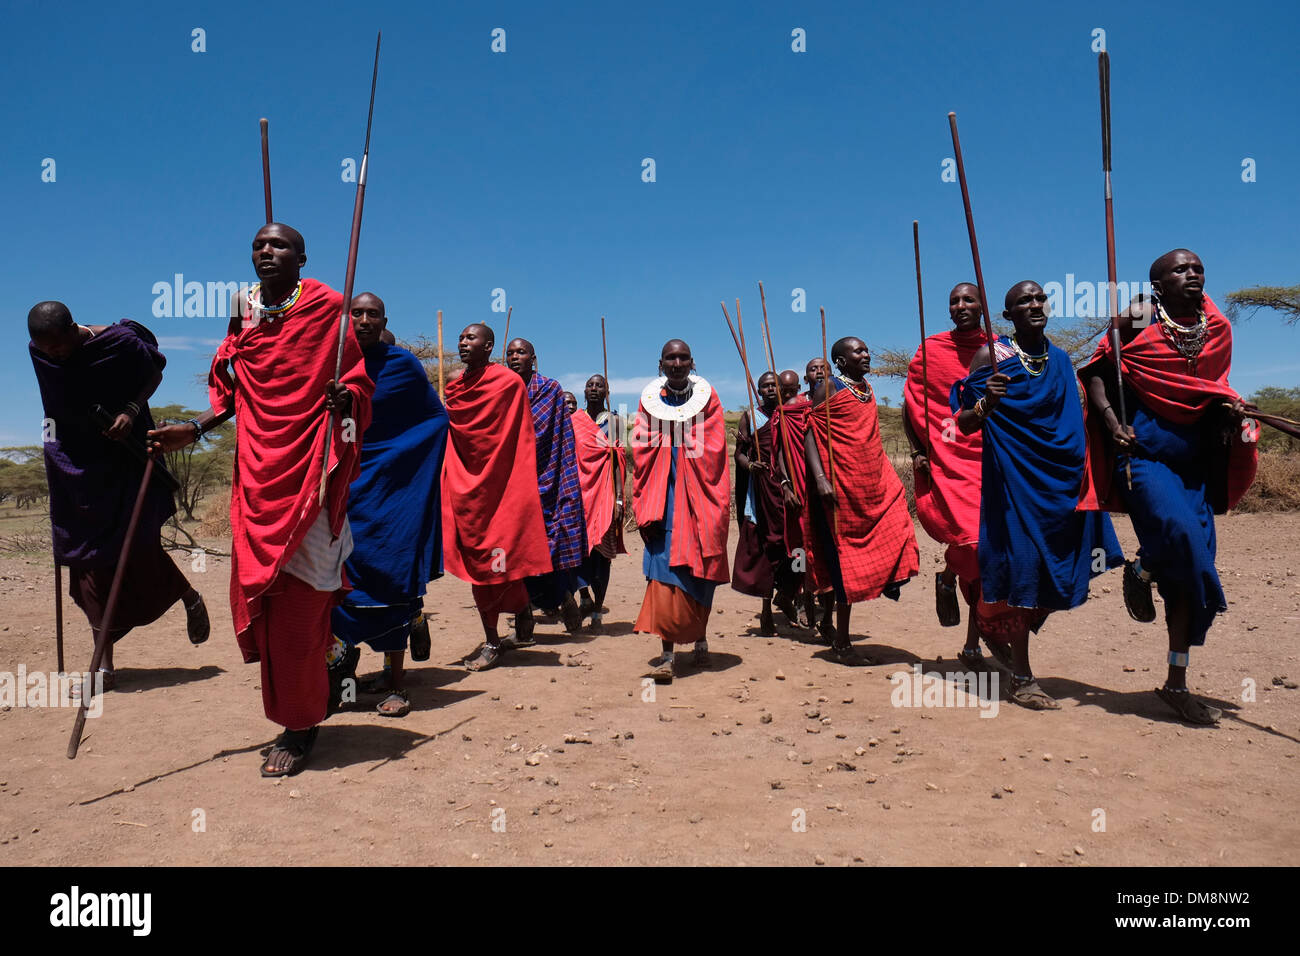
394	508
561	491
1037	553
93	476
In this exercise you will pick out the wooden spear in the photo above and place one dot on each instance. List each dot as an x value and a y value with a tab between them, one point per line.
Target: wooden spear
506	340
442	384
744	357
609	416
58	612
266	167
920	308
1103	82
779	424
110	611
751	391
353	241
830	444
970	229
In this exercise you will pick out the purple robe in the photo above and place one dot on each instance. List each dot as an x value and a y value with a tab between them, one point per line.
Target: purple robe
557	474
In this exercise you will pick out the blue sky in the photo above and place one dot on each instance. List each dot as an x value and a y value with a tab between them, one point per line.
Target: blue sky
522	170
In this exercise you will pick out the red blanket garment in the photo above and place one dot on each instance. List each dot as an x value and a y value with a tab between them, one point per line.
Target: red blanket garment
875	542
491	509
596	465
701	509
948	499
1163	380
277	392
790	423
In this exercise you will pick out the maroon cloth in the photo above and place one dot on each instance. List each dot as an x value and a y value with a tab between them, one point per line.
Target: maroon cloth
291	637
150	585
672	614
760	546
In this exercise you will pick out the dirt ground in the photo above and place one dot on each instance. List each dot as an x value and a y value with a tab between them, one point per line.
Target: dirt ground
722	767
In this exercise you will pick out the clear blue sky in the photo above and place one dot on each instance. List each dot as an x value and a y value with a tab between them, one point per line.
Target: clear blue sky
523	170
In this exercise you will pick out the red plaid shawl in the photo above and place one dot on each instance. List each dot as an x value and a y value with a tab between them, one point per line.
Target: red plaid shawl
596	471
1163	380
874	539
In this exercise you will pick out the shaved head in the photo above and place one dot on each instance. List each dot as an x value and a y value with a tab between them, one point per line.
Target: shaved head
526	345
485	331
673	345
48	320
289	233
1168	261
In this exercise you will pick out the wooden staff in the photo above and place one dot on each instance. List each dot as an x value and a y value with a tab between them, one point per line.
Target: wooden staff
506	341
1103	82
920	308
974	245
771	361
442	386
830	445
353	241
744	358
58	612
751	391
266	167
609	413
106	622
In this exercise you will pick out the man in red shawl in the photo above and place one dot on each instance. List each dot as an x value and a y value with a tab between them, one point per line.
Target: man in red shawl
602	469
681	487
1184	455
762	563
946	462
865	543
791	424
286	568
493	533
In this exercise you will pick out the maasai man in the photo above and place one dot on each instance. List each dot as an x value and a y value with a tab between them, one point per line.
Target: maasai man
1186	448
273	372
1036	552
494	536
558	485
398	488
865	545
603	473
819	610
946	461
570	402
94	479
761	560
791	423
679	455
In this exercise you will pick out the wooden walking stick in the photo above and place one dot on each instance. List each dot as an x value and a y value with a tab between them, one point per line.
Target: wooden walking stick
830	444
506	340
1103	81
58	612
751	391
974	245
442	385
744	358
106	622
266	167
353	241
920	308
609	414
771	361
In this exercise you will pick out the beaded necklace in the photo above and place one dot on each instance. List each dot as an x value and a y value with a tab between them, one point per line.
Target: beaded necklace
1034	364
1187	342
863	393
254	301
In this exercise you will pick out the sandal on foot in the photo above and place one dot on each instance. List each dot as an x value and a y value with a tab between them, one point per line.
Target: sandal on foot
785	605
488	655
403	704
1137	596
663	671
572	615
296	743
945	602
843	653
1002	654
1191	709
1028	694
973	659
700	658
421	645
197	625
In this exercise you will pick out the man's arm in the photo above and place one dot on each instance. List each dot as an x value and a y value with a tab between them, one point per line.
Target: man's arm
125	419
172	437
970	420
816	475
920	460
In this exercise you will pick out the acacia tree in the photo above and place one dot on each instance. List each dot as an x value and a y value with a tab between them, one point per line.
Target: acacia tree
1078	338
1244	303
199	467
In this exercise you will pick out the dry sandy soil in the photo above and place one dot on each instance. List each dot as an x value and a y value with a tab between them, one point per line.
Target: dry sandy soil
718	769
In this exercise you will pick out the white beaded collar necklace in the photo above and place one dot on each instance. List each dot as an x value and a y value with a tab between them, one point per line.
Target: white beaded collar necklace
654	404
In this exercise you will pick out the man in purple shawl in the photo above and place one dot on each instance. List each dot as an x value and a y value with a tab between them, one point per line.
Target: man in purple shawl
394	510
561	490
93	477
